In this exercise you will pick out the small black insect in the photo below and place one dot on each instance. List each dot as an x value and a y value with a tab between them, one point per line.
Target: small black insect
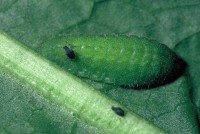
118	111
69	52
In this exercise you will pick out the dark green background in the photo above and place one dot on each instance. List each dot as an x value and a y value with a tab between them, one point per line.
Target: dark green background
173	107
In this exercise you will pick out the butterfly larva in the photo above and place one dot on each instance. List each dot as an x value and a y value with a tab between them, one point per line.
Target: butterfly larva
120	60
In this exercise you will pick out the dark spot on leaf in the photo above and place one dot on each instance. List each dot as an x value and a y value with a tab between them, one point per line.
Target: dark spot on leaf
118	111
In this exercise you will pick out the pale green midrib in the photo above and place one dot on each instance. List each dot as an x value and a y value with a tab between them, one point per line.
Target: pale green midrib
69	91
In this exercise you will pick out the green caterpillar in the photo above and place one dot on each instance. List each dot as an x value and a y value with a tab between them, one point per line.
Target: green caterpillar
119	60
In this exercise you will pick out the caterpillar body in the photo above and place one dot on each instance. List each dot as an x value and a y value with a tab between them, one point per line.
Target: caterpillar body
119	60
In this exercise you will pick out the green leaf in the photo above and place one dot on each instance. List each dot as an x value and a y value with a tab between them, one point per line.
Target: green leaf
35	22
68	91
189	48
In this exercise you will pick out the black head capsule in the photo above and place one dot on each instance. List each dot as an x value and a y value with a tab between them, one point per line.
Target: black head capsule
69	52
118	111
